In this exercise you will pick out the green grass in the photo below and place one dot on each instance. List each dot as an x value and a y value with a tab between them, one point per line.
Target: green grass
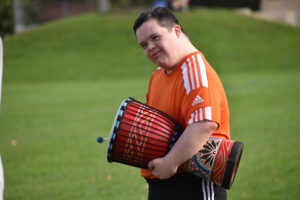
103	47
264	115
55	155
64	81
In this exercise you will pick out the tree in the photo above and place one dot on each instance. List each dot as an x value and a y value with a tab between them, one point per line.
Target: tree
6	17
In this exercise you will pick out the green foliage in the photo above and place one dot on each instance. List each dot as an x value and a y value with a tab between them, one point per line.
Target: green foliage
128	3
253	4
31	8
6	17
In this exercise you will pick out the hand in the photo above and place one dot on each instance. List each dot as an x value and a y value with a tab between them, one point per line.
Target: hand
162	168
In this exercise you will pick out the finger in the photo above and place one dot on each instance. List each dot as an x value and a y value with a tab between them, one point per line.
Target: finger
151	165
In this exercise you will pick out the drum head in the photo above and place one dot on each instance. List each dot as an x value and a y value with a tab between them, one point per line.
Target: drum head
115	125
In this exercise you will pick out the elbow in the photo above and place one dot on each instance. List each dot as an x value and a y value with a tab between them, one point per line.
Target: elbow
207	127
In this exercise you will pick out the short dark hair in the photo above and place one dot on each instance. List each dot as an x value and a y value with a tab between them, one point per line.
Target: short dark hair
163	16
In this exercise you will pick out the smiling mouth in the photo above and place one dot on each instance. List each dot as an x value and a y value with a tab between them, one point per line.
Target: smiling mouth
156	54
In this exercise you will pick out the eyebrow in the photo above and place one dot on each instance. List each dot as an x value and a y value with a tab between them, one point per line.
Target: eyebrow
153	34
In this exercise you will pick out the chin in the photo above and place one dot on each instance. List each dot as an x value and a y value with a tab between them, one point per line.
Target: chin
161	62
164	65
158	63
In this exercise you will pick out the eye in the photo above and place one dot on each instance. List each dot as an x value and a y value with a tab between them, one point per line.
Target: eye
143	45
155	37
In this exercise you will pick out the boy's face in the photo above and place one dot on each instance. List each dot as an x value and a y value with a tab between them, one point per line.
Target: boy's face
159	43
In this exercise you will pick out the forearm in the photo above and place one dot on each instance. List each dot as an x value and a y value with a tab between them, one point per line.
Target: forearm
190	142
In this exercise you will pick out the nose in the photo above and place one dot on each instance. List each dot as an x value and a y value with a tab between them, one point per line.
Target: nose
150	46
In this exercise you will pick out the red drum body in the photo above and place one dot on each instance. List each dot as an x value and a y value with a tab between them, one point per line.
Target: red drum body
140	134
217	161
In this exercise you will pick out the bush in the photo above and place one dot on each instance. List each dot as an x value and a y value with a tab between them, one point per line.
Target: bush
6	17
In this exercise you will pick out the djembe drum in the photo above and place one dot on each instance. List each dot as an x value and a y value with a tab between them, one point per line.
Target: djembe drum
141	133
217	161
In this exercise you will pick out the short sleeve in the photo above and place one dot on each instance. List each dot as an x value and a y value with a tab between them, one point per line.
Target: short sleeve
201	105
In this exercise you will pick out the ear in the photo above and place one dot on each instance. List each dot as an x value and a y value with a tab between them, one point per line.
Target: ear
177	30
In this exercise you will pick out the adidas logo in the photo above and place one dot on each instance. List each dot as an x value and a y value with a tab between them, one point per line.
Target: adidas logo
197	100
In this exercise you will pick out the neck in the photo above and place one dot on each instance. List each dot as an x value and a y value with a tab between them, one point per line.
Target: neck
185	50
188	47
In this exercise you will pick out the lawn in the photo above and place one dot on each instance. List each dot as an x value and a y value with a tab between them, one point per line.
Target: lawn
64	81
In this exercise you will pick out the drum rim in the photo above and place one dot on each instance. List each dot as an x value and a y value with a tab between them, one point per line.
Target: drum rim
112	132
232	164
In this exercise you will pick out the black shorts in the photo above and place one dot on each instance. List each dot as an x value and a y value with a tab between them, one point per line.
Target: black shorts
184	186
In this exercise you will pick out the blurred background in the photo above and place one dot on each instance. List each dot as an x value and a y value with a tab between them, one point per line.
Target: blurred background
19	15
68	64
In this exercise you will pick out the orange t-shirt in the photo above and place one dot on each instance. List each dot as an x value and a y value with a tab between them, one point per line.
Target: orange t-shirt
192	92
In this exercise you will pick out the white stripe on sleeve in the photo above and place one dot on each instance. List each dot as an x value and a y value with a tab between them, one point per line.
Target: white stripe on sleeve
201	114
186	78
191	119
191	73
196	115
196	72
208	112
202	71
